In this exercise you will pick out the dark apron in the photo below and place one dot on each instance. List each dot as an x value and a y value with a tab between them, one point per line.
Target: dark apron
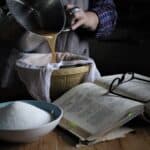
72	41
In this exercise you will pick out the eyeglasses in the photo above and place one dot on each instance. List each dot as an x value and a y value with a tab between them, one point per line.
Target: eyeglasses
126	77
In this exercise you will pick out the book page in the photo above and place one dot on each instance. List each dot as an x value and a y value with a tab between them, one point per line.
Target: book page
134	88
89	107
115	134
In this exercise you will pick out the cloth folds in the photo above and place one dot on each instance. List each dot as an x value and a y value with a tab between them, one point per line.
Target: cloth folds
35	71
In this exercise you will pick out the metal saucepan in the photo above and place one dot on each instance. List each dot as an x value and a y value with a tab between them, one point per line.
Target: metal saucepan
42	16
39	16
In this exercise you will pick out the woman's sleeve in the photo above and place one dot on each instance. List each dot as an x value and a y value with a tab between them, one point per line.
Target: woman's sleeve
107	14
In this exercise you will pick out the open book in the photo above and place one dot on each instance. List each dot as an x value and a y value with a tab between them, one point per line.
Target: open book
92	110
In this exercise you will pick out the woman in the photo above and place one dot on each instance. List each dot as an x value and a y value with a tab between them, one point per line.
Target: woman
94	18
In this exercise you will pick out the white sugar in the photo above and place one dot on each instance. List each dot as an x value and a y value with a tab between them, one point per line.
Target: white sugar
20	115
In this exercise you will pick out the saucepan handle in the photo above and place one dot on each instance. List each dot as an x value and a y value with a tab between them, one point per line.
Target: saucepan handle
69	15
73	10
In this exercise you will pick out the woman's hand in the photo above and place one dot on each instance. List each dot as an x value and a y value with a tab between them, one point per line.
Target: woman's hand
84	19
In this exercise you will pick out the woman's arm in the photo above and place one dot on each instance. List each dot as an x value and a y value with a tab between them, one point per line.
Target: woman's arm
100	18
107	14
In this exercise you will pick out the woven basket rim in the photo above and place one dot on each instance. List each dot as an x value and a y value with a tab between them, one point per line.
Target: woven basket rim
71	70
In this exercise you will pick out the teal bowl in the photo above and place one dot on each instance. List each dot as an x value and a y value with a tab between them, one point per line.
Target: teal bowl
33	134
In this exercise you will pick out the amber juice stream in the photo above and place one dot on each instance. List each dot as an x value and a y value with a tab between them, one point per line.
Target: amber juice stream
52	43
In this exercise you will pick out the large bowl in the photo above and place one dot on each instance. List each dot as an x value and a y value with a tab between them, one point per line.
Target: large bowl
62	79
66	78
30	135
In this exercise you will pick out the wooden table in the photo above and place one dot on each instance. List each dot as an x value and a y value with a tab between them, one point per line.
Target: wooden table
57	140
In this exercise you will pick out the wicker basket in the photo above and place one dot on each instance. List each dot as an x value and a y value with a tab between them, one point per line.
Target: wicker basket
66	78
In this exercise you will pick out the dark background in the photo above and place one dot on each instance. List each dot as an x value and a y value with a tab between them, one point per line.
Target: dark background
127	49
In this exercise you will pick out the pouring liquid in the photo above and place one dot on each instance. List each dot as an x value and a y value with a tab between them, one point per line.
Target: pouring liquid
50	38
52	43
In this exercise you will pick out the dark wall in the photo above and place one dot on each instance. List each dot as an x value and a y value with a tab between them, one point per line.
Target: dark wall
127	49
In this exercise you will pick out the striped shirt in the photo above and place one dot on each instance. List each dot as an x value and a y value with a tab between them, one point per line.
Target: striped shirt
107	14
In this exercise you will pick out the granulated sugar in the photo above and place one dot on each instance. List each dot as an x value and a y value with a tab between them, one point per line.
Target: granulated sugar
20	115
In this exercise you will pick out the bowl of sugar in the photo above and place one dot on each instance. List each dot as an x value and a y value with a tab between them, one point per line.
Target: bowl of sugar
27	120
